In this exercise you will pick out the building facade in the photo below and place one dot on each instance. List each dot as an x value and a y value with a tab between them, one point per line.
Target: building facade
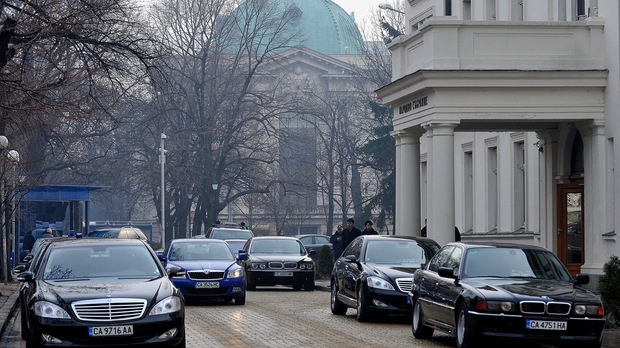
505	114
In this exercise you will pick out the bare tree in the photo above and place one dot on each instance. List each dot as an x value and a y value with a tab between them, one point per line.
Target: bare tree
217	107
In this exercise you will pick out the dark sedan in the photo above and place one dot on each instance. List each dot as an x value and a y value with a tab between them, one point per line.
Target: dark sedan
479	293
93	292
314	243
278	261
210	271
374	274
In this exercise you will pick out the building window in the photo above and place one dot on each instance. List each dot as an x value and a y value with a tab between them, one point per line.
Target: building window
468	190
492	188
519	185
580	10
448	9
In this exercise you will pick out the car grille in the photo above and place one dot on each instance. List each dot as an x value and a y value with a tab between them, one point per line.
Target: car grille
109	309
551	308
282	265
206	274
404	284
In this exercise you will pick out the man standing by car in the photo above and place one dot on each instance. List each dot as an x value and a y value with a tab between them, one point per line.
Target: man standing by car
350	233
337	241
368	228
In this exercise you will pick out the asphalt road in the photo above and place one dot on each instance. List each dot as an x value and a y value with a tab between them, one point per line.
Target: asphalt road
280	317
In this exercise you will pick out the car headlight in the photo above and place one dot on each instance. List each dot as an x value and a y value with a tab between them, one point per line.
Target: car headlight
589	310
306	265
238	273
496	306
379	283
258	265
168	305
46	309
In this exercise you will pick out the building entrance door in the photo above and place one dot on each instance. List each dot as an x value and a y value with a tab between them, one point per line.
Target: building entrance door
570	232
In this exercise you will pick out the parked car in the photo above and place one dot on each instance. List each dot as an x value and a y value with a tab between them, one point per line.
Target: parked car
278	261
374	272
209	270
315	242
93	292
125	232
510	292
235	245
228	232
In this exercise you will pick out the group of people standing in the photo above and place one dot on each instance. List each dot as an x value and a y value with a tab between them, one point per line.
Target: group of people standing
343	237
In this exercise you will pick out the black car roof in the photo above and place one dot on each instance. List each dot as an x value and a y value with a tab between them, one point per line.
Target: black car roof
470	245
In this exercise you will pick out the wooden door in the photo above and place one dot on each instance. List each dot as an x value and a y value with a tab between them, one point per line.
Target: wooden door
571	231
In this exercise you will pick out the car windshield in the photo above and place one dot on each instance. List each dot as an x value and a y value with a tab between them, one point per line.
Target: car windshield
231	234
125	261
277	246
182	251
396	252
514	262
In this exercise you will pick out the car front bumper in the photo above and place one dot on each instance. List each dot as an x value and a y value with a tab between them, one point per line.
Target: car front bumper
387	300
514	326
147	331
227	289
270	277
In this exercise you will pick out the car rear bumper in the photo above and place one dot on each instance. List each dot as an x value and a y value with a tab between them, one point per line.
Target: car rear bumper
514	327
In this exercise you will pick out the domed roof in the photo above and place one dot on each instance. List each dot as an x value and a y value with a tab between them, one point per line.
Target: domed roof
327	27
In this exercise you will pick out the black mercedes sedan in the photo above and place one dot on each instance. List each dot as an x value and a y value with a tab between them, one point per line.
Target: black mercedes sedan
374	272
504	293
278	260
101	292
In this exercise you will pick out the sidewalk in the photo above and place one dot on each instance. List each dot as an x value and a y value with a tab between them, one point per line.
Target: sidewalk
9	298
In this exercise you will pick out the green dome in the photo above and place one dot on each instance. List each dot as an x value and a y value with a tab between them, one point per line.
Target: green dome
328	28
325	26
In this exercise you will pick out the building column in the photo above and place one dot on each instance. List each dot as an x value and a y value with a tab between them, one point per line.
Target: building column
441	214
548	180
408	218
595	196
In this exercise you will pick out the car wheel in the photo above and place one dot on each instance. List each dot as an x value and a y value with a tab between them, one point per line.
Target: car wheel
338	307
362	307
250	284
418	329
465	337
309	286
24	323
240	301
33	339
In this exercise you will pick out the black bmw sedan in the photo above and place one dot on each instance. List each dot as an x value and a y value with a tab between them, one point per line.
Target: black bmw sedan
504	293
374	274
101	292
278	260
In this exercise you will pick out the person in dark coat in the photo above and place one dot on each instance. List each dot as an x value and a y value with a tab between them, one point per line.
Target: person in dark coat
336	240
368	228
28	241
350	233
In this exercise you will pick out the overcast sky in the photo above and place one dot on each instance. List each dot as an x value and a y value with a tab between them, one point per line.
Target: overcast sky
362	8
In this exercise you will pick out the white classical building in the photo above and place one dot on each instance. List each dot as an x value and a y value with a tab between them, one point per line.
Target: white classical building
505	114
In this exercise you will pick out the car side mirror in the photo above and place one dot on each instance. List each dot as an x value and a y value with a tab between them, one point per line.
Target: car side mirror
242	255
161	257
582	279
446	272
25	277
311	252
350	258
173	270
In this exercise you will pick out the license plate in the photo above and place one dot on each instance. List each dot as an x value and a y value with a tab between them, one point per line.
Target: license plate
207	285
121	330
283	274
545	325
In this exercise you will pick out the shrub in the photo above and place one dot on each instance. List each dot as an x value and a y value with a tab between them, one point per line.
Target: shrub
610	290
325	262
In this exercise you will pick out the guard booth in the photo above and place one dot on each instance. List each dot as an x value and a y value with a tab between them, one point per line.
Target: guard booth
61	208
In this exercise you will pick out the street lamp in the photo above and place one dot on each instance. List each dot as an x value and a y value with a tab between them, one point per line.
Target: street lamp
162	162
386	6
189	216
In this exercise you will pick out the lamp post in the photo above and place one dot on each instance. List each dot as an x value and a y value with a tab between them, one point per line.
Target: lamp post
13	157
189	216
162	162
214	186
386	6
